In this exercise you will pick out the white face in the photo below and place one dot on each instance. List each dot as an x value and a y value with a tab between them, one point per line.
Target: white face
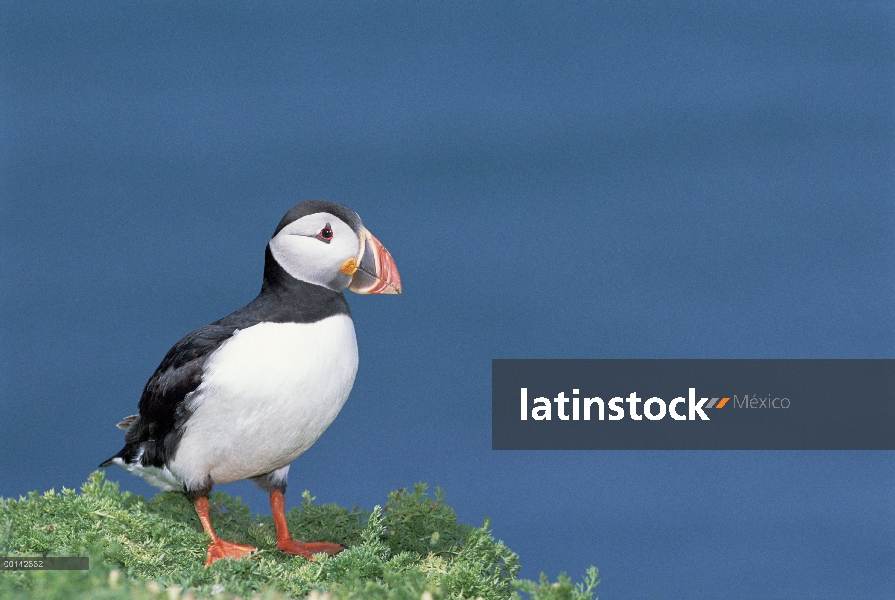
302	249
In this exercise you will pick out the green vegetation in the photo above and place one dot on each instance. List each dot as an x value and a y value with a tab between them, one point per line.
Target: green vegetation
412	549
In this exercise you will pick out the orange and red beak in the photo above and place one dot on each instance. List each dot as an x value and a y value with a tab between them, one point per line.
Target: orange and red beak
374	271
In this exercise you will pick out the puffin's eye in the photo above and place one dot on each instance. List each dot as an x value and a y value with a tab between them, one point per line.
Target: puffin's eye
325	234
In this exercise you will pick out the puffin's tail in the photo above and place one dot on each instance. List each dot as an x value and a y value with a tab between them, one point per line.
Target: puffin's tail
108	462
127	452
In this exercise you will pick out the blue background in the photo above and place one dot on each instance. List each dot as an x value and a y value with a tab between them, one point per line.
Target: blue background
566	180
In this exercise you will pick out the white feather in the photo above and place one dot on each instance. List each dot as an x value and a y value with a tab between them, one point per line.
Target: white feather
159	477
267	394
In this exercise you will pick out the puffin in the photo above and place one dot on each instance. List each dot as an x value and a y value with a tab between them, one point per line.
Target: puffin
244	396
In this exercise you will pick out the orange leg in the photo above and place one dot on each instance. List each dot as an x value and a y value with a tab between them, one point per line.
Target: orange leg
285	541
218	548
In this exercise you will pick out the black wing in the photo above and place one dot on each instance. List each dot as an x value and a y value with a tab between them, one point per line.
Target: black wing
163	412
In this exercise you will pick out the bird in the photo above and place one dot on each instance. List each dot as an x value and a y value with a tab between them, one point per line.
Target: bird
244	396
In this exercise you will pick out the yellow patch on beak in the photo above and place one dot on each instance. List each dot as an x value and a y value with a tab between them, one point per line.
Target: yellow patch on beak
349	267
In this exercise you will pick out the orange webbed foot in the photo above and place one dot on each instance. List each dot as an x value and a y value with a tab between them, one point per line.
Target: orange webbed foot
222	549
285	541
309	549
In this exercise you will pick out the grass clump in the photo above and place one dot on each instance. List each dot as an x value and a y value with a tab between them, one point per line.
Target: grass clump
413	548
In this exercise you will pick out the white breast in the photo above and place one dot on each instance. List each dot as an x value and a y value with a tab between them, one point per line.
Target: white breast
267	394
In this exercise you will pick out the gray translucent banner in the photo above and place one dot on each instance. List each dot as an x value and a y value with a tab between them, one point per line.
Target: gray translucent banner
684	404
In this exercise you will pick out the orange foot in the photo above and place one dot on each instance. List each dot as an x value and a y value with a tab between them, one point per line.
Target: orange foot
309	549
221	549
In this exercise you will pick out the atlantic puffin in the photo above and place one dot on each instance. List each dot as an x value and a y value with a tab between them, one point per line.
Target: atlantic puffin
243	397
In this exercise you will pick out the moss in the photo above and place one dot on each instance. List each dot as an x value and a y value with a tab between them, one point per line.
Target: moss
413	548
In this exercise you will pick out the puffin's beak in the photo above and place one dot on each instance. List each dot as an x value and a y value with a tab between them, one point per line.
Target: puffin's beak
374	271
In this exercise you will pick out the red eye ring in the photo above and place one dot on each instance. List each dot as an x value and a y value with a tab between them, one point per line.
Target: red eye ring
325	234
